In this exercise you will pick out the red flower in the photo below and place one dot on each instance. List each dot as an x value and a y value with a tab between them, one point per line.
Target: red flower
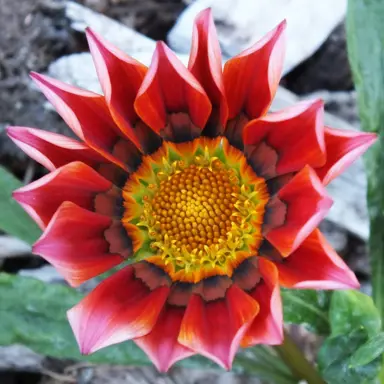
183	172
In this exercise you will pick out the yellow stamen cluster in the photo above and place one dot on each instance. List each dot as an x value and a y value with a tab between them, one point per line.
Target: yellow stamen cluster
195	207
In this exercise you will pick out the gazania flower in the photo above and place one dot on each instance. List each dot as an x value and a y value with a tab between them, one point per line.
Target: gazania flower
212	203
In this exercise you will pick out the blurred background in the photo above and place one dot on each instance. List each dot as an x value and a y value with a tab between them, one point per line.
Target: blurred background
47	36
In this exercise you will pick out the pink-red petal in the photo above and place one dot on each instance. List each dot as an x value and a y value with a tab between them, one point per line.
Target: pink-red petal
343	147
205	65
286	141
52	150
307	202
215	329
252	77
87	114
74	243
161	343
121	77
121	308
315	265
75	182
267	328
170	90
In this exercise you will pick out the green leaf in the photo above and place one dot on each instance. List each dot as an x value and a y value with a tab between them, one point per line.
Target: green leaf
334	359
307	307
13	219
352	309
34	314
368	352
365	38
355	322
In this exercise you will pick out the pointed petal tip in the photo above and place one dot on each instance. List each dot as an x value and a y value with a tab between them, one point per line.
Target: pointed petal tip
204	15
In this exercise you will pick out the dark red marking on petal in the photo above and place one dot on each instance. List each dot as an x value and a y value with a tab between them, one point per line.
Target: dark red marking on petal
127	153
307	203
274	185
343	148
150	140
119	240
111	172
75	182
110	203
121	77
252	77
213	288
180	294
152	275
315	265
52	150
74	243
268	251
275	214
87	114
169	88
161	343
179	128
205	65
267	328
295	133
262	158
215	329
118	309
247	275
234	130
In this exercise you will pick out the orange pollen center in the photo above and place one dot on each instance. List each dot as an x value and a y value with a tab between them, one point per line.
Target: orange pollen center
195	207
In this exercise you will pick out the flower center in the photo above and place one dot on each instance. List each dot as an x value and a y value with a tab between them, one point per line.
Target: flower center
196	207
201	213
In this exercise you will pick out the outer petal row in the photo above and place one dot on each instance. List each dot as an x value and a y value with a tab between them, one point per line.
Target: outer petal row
75	182
78	254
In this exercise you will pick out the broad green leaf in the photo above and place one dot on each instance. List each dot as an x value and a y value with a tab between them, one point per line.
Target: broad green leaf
368	352
13	219
307	307
354	321
365	37
352	309
334	359
34	314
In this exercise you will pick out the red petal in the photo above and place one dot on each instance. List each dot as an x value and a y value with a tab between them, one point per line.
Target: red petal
51	149
295	136
75	182
121	308
267	328
74	243
161	343
87	114
343	148
307	203
205	65
315	265
121	77
169	88
214	329
252	77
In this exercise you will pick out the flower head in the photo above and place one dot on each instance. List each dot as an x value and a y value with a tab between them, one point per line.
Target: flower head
182	172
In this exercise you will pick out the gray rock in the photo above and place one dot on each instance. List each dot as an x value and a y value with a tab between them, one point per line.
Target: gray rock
46	273
338	237
342	104
328	68
20	358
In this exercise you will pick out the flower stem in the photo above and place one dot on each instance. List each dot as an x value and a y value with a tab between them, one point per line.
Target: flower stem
301	368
